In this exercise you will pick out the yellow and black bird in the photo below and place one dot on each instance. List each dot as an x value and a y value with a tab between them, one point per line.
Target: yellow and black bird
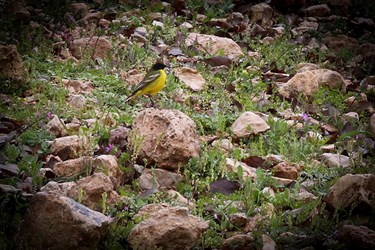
152	83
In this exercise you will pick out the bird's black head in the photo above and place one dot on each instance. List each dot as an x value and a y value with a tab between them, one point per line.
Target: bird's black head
158	66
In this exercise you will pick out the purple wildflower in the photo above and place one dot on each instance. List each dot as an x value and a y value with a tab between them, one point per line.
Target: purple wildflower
49	115
305	117
179	37
108	148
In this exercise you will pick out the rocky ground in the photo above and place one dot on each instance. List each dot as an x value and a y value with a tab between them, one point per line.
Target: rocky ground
263	137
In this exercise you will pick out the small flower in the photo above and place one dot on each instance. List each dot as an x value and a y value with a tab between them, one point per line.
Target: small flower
108	148
357	136
49	115
305	117
179	37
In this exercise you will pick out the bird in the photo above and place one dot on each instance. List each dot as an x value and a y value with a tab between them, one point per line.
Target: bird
152	83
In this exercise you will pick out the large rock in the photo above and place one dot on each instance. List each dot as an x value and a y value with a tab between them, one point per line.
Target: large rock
79	10
353	190
357	237
336	160
214	45
58	222
109	165
261	12
93	190
318	10
167	138
11	64
372	124
168	228
78	86
98	47
239	242
190	77
249	123
56	126
69	147
73	167
159	178
308	82
341	42
233	166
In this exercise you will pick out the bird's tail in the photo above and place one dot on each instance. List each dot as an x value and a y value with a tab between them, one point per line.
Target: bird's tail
129	98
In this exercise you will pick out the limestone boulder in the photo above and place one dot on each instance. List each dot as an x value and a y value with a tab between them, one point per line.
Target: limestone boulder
118	136
357	237
11	64
69	147
159	178
239	242
249	123
167	138
353	190
109	165
73	167
308	82
214	45
54	221
190	77
233	166
168	228
336	160
286	170
93	190
56	127
99	47
319	10
261	12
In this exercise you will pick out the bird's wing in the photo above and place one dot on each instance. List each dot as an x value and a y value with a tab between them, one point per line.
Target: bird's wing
149	78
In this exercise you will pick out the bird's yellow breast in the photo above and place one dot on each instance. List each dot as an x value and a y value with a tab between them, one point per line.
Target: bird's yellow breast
157	85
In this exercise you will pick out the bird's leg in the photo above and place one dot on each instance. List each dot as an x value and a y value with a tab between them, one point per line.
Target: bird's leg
152	102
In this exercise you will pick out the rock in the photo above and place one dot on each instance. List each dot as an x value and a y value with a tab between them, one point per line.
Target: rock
372	124
339	3
73	167
79	10
261	12
214	45
93	190
353	190
159	178
336	160
367	52
286	170
93	17
108	164
104	23
168	228
357	237
308	82
69	147
118	136
303	195
9	170
318	10
223	144
77	101
78	86
238	219
249	123
100	45
268	243
179	199
190	77
169	138
328	148
339	42
58	222
233	166
56	127
186	25
11	64
239	242
58	188
351	116
304	27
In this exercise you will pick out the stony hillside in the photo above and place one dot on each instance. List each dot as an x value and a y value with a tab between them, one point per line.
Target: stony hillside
263	137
